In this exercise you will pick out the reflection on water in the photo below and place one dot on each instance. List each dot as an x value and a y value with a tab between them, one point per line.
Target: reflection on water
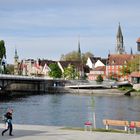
71	110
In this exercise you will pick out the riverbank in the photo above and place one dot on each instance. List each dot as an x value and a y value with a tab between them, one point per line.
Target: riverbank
99	92
66	90
37	132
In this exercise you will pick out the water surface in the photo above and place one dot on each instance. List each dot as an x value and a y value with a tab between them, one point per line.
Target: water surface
71	110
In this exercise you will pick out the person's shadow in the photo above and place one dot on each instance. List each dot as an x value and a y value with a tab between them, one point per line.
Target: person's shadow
19	133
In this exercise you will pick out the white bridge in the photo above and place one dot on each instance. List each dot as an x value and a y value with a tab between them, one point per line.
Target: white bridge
10	83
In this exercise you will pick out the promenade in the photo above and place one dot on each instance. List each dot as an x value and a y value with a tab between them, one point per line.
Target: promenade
36	132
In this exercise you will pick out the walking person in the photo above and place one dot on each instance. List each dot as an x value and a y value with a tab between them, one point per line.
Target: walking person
8	120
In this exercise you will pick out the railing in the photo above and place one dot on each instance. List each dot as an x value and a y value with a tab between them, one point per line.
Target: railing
6	76
106	83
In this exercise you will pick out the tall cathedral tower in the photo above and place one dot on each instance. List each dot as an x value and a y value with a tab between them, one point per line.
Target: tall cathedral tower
16	63
120	46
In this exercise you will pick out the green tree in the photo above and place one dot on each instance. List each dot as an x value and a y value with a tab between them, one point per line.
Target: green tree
131	66
76	56
70	72
125	70
2	55
55	71
134	64
2	50
85	56
9	69
99	79
72	56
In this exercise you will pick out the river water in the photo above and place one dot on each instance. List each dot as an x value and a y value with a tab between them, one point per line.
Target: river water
71	110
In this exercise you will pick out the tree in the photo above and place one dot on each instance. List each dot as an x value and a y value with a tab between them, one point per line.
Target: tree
134	64
9	69
131	66
72	56
55	71
76	56
2	50
2	55
85	56
125	70
99	79
70	72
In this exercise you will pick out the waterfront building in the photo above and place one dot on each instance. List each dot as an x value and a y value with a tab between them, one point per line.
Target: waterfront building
44	64
97	67
77	65
115	64
101	70
93	62
31	67
135	77
26	67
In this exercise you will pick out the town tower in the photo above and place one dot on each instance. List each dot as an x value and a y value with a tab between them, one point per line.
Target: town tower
16	63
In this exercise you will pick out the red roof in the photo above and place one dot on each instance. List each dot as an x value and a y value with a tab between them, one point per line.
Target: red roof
119	59
135	74
100	68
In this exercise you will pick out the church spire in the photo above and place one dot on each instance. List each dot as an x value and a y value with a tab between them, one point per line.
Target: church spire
120	45
79	49
119	33
131	51
16	55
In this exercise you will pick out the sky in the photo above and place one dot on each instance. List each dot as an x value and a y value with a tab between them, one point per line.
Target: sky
46	29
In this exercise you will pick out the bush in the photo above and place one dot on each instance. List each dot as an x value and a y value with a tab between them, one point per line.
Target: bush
99	79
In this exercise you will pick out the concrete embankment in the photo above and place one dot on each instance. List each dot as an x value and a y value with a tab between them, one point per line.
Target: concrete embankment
36	132
26	92
99	92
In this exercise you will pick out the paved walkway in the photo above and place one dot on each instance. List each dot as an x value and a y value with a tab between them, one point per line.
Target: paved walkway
35	132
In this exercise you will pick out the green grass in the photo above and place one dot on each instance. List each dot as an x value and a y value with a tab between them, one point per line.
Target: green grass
125	88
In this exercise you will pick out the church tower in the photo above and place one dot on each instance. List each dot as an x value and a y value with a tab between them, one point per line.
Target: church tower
120	46
16	66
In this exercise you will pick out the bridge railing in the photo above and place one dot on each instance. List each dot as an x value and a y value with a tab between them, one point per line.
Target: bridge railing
7	76
21	77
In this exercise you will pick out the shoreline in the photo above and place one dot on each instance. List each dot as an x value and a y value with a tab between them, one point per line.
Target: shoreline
101	92
86	92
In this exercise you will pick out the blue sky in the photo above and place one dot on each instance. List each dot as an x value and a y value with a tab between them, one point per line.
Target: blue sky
47	29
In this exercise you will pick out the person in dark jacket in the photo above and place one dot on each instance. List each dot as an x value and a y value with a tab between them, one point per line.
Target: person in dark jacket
8	120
